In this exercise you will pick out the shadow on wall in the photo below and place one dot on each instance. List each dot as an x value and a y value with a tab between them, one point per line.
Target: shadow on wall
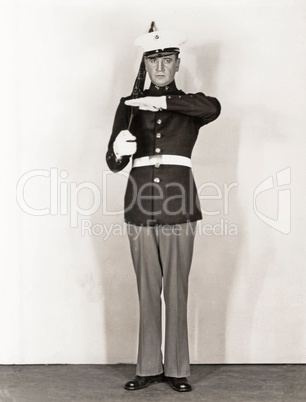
216	251
207	61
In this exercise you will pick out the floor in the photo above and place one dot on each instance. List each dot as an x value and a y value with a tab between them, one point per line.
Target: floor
211	383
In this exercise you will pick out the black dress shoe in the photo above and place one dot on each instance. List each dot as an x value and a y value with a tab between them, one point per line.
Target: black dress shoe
180	384
143	382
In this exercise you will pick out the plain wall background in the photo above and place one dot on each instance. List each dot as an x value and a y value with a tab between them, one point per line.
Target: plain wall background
68	298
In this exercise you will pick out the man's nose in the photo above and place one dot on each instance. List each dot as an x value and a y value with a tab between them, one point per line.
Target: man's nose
159	65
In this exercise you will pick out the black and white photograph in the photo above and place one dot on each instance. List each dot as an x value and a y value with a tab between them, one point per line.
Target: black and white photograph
153	241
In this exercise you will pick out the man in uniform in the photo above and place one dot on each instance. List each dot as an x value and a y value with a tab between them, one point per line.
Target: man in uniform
161	205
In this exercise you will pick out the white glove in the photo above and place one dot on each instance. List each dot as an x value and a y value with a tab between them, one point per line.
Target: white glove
124	144
151	103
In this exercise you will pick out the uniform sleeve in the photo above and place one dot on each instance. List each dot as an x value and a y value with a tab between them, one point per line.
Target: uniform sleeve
120	123
206	108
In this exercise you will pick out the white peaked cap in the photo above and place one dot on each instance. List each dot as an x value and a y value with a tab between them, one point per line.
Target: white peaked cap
161	41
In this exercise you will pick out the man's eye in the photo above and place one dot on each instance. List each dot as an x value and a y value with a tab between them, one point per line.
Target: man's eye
152	61
167	61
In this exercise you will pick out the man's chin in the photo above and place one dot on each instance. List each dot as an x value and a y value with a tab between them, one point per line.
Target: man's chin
161	82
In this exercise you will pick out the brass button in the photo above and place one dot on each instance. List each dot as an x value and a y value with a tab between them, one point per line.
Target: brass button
157	150
158	135
157	165
159	121
156	180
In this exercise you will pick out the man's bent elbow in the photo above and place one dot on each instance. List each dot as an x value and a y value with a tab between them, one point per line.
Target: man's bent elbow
215	109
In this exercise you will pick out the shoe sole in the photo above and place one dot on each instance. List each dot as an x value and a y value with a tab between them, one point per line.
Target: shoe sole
178	390
145	386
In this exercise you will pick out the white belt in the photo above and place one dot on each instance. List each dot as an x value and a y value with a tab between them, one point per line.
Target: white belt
162	160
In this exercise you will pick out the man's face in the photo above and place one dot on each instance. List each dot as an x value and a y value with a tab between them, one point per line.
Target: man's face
162	69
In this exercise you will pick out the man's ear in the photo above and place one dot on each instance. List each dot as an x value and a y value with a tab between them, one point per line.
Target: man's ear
178	61
145	63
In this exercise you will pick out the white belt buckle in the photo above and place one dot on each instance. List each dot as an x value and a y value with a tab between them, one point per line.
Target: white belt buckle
156	159
164	159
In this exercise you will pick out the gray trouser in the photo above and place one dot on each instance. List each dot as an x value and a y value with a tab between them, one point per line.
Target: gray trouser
162	255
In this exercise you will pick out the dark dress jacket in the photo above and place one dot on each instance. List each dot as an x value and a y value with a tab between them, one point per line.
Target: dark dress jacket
163	194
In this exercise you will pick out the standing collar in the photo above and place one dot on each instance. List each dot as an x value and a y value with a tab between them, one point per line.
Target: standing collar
167	89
